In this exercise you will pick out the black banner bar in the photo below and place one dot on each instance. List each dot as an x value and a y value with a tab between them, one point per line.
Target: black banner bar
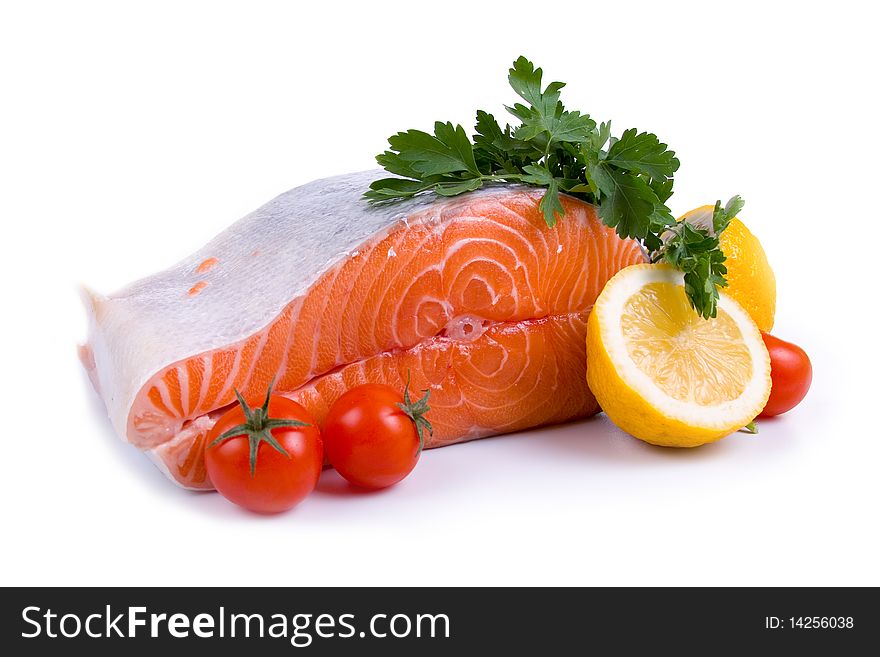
435	621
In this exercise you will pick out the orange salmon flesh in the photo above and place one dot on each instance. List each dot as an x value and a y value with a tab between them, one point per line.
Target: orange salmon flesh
475	298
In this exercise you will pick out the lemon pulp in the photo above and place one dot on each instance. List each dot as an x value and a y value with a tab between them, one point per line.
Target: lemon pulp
688	358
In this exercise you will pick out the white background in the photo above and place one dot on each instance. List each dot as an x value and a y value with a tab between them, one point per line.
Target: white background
131	134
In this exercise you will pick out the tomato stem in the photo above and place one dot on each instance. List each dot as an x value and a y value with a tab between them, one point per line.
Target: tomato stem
416	411
258	427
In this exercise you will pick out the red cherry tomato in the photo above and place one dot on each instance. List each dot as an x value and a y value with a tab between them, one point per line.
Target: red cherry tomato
791	372
371	438
265	459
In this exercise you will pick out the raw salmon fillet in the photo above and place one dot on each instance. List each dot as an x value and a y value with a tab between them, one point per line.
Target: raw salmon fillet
474	296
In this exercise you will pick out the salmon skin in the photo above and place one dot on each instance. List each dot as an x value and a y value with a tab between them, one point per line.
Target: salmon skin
474	296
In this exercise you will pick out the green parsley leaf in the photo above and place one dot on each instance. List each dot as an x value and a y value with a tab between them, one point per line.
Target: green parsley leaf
628	203
662	188
550	204
545	117
525	80
394	188
490	139
600	137
496	149
643	153
456	188
449	150
721	217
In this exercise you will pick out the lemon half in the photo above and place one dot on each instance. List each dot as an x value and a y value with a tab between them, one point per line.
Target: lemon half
663	373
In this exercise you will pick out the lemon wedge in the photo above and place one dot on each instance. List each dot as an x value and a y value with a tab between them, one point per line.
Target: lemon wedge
663	373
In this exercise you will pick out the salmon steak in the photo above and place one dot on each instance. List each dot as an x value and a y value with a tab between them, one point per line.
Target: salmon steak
474	297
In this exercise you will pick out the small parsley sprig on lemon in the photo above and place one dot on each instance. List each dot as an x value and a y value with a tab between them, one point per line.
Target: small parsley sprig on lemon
629	178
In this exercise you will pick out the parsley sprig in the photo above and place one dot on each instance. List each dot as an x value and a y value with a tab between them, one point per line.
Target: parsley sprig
695	250
629	178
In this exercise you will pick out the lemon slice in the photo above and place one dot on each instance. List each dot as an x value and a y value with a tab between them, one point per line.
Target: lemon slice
664	374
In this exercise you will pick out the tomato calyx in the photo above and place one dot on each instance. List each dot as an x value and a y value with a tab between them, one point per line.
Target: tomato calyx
416	411
258	428
751	427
